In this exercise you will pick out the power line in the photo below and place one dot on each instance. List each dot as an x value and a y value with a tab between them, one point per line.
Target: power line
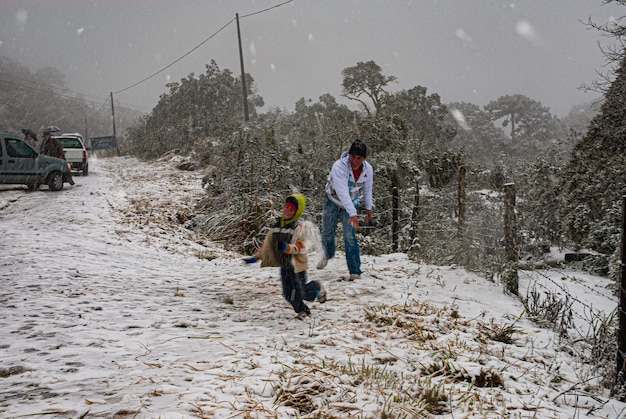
48	90
265	10
199	45
42	88
174	62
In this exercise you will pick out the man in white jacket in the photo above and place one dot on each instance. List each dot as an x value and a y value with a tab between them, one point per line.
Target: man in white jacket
349	184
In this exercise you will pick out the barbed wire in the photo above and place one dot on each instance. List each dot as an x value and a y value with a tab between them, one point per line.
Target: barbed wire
594	312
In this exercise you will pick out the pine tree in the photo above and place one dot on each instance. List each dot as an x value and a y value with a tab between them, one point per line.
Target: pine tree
593	181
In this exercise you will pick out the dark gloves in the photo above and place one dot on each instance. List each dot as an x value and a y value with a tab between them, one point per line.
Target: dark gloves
249	259
282	246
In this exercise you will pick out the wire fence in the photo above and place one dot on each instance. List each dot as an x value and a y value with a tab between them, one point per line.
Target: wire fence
430	227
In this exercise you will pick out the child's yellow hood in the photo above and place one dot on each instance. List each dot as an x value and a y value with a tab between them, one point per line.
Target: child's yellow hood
301	199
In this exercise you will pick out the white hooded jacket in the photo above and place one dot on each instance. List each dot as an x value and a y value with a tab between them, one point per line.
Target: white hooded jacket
346	191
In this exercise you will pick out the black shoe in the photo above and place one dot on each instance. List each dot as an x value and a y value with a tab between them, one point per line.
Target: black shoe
306	312
72	182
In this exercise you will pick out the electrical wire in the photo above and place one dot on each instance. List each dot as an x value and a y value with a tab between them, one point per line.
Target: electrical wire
40	88
175	61
265	10
198	46
49	90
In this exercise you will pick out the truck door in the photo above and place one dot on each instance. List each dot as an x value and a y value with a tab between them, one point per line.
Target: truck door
19	164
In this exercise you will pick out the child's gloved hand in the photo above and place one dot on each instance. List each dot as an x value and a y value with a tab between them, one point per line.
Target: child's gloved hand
249	259
282	247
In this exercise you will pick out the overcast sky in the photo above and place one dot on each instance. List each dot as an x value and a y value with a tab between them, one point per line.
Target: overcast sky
464	50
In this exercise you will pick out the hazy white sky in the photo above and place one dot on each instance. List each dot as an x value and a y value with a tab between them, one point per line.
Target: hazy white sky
464	50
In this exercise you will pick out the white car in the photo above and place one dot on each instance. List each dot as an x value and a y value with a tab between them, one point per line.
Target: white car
75	152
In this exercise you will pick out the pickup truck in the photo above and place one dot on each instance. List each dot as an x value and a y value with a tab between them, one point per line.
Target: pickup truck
20	164
75	152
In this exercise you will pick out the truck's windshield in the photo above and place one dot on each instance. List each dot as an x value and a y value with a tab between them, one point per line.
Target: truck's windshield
70	143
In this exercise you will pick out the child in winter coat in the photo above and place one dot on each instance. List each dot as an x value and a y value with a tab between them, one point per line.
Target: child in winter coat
285	246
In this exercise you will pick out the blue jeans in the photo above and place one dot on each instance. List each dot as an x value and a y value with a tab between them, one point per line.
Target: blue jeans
296	290
330	214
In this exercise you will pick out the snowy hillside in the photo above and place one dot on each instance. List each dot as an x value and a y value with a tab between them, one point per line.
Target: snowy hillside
109	308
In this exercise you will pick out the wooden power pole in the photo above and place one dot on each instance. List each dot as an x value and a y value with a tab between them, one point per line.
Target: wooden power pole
113	115
243	73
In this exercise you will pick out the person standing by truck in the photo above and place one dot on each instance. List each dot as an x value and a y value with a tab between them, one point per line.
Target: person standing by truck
52	147
30	137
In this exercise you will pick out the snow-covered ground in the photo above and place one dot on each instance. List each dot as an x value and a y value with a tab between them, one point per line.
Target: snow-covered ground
109	309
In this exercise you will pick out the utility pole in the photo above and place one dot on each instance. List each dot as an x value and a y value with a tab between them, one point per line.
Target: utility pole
243	73
113	115
86	138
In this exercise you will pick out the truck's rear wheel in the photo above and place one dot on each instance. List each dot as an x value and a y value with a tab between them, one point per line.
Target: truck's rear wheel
55	182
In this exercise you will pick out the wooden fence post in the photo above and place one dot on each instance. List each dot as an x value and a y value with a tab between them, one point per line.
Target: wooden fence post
415	214
509	276
395	215
461	198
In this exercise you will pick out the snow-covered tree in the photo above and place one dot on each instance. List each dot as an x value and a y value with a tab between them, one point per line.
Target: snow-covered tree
210	105
594	180
366	79
531	126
